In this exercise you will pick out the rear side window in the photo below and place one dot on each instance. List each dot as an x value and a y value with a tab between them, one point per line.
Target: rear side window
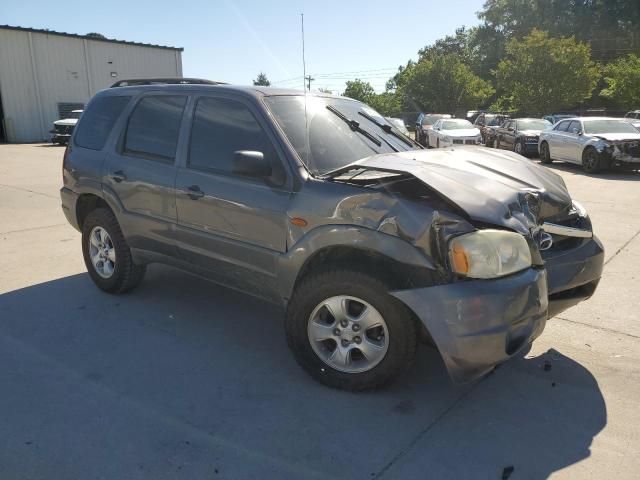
154	126
98	120
222	127
562	126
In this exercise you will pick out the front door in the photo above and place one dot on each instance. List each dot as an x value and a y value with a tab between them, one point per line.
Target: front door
232	226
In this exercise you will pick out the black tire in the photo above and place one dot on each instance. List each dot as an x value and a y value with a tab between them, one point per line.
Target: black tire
515	147
402	339
426	141
490	143
545	153
591	160
498	143
437	143
126	274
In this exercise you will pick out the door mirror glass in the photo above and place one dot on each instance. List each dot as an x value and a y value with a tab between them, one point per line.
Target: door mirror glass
251	163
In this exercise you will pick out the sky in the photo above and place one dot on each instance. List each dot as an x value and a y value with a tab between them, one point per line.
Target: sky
233	41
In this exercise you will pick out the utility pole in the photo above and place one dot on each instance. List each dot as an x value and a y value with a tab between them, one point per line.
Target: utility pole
309	79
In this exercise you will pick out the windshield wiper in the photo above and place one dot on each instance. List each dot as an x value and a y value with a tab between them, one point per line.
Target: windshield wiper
354	125
388	129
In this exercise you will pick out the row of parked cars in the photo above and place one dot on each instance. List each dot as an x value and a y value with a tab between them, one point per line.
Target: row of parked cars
596	143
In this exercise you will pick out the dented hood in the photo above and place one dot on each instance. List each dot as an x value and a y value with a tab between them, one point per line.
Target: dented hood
493	187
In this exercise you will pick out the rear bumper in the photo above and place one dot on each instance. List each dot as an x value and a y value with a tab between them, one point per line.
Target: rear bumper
477	324
69	200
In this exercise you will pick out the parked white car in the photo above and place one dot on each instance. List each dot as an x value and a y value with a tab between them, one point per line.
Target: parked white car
447	132
62	129
596	143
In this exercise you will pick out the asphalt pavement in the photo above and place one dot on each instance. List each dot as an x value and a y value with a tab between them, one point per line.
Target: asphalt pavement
185	379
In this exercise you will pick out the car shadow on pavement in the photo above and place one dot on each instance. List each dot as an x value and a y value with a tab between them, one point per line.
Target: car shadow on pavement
183	376
628	175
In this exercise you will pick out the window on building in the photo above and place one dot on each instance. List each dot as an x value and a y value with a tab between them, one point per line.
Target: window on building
65	109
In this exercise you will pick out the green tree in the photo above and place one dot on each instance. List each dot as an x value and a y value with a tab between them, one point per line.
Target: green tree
359	90
543	74
623	81
443	83
262	80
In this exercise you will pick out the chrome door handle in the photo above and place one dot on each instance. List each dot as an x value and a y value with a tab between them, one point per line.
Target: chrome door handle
194	192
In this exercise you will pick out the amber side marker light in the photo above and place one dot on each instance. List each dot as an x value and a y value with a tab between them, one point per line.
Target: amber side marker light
298	222
459	259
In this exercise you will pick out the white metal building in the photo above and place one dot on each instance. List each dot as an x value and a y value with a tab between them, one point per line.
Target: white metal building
45	74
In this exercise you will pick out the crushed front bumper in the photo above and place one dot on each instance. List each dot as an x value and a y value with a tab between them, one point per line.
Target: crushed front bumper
477	324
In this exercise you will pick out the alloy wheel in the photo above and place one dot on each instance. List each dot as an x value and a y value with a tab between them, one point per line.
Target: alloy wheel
102	252
348	334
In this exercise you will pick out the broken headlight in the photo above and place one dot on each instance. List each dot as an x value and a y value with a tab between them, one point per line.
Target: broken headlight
489	254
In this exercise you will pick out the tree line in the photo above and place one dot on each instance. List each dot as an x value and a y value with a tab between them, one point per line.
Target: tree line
527	56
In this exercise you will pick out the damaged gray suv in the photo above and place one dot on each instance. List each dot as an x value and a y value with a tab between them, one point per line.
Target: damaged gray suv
316	203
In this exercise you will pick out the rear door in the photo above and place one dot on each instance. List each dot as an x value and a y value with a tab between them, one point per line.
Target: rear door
232	226
508	133
572	142
556	140
140	173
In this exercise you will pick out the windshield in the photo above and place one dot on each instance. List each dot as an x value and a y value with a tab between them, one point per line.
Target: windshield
398	123
533	124
431	119
608	126
456	125
326	142
496	121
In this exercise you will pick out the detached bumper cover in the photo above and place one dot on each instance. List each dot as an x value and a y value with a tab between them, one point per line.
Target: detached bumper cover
477	324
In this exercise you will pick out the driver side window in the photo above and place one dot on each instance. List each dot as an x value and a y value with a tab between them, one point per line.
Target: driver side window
562	126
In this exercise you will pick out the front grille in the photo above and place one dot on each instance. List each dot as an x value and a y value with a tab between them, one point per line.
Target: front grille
470	142
562	243
630	148
64	129
457	142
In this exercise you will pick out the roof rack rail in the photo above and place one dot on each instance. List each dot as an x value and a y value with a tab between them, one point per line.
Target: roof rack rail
164	81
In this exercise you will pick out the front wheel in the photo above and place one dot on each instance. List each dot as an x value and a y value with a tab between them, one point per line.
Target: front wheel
545	154
347	332
591	161
106	253
518	148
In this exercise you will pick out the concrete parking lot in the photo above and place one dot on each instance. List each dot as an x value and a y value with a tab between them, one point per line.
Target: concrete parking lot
185	379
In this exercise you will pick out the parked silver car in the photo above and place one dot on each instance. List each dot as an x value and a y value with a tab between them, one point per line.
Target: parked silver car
596	143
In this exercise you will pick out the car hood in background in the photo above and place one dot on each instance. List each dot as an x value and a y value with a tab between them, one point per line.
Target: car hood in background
66	121
466	132
617	137
530	133
499	188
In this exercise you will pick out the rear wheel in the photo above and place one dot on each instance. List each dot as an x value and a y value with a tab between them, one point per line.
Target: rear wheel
107	255
437	143
347	332
545	154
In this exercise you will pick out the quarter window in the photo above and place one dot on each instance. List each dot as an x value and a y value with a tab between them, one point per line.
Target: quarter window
154	126
98	120
222	127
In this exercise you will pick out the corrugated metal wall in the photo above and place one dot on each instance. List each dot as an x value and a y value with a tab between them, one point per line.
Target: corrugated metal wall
39	70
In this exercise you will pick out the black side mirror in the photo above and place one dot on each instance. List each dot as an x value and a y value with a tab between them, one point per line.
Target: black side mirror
251	164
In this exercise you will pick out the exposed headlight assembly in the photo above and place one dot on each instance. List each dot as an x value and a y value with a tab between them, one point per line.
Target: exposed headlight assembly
578	207
489	254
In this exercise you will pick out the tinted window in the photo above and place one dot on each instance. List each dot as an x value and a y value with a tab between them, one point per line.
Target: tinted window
98	120
562	126
154	126
574	127
222	127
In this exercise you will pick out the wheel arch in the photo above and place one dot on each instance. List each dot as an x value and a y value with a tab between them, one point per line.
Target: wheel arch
86	203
